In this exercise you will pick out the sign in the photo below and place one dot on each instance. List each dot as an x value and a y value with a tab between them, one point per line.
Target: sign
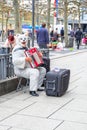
56	7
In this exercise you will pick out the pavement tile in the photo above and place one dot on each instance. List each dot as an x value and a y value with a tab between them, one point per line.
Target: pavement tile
81	90
22	96
70	115
76	105
82	97
11	107
6	112
29	122
4	128
16	104
11	95
19	129
41	109
72	126
43	98
3	100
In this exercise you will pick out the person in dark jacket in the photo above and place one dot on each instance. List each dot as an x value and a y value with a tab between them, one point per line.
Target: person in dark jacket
78	36
51	35
62	34
43	37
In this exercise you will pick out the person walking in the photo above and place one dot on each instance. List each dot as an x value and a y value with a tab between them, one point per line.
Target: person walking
71	38
43	37
55	35
51	35
78	36
62	34
55	39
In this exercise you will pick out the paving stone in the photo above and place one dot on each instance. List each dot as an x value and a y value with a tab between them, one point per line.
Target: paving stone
40	109
2	100
16	104
80	90
29	122
6	112
4	127
51	99
19	129
70	115
22	96
76	105
82	97
72	126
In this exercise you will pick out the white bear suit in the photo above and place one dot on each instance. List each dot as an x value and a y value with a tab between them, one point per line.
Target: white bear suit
23	69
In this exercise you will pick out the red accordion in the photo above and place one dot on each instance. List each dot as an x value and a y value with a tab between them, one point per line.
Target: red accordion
36	59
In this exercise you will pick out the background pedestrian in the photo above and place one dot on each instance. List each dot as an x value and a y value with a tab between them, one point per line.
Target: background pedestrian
43	37
78	36
62	34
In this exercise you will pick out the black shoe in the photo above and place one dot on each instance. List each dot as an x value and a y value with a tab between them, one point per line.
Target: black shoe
42	86
39	89
33	93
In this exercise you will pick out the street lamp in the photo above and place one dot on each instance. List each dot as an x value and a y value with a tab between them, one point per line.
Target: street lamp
33	9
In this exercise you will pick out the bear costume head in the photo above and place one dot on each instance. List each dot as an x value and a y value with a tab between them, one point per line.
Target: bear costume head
22	40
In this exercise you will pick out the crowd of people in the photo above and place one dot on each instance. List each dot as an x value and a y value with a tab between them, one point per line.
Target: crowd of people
44	37
78	37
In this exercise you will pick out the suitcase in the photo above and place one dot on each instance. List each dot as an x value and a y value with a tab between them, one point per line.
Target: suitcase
71	41
46	63
57	82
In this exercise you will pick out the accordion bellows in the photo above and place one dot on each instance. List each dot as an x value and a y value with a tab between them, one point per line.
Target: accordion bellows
36	59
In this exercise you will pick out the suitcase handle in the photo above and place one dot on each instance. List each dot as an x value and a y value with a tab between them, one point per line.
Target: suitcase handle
50	82
65	75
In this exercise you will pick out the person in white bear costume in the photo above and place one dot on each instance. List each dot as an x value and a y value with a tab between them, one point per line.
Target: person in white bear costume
23	69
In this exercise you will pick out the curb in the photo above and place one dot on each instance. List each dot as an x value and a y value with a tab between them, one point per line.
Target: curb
65	55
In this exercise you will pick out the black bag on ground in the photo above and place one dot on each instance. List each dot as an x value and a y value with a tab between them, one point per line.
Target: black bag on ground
57	82
46	63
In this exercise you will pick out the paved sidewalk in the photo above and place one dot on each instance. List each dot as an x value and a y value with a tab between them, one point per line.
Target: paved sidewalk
66	52
20	111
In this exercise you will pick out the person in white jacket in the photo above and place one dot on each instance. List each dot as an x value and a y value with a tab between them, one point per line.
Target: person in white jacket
22	67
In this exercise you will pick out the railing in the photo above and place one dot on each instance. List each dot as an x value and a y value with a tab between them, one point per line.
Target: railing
6	66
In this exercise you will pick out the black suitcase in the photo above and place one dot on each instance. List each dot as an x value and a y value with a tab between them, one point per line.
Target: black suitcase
57	82
46	63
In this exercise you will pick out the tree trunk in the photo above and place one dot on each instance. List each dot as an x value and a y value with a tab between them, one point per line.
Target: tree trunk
2	27
48	17
17	16
79	16
65	24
